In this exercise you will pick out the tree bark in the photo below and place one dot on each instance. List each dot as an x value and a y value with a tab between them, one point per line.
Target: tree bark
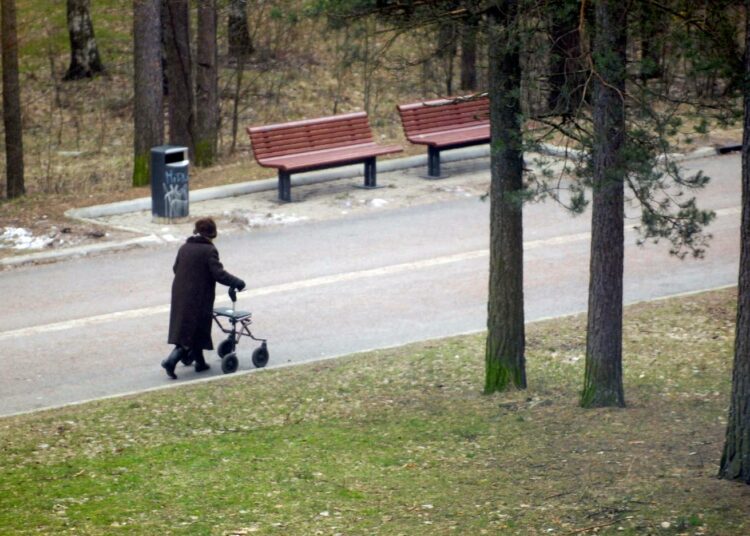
12	103
651	25
446	50
469	30
735	459
207	85
148	114
603	374
240	44
567	76
505	364
84	54
179	73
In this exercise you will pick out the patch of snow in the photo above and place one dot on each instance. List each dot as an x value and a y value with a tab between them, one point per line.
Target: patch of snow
377	202
20	238
255	220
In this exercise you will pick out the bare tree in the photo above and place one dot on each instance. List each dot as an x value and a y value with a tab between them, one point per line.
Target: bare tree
179	74
84	54
735	460
12	102
505	364
240	44
207	85
148	114
603	373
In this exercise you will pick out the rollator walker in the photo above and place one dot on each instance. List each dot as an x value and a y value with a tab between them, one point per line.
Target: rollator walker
237	326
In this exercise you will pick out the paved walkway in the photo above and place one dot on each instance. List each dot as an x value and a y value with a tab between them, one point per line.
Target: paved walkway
317	196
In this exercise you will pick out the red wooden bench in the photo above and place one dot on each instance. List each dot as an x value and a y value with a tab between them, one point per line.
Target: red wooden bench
316	144
446	124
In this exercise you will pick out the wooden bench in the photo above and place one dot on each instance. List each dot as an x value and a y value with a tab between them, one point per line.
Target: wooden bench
320	143
446	124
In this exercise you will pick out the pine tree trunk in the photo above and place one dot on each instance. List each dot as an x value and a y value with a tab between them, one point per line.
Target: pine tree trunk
148	111
207	85
735	460
11	102
469	54
240	44
504	353
84	54
603	374
446	50
567	76
179	73
651	25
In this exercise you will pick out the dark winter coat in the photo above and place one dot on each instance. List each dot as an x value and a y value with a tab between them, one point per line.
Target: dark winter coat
197	269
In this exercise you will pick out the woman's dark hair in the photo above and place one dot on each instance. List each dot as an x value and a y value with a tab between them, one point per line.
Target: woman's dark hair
206	227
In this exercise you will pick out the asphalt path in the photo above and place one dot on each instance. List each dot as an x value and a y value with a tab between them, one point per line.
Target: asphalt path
94	327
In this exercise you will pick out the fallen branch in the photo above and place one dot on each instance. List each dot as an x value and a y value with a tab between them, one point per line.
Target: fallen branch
592	527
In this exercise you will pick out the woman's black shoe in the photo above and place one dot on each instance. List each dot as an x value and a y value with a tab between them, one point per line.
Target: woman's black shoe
171	362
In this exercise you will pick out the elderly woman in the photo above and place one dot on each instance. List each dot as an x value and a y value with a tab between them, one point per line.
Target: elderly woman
197	269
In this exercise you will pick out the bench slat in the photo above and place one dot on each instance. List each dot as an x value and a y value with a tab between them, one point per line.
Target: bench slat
306	122
302	147
445	138
442	110
304	131
294	140
341	155
437	126
431	116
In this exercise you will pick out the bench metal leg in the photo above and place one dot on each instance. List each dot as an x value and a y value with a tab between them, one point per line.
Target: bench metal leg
371	178
285	186
433	162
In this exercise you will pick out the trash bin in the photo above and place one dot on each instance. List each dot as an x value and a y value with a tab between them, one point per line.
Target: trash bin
169	183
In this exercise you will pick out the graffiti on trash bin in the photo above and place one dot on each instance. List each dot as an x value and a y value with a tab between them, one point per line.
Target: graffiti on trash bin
176	193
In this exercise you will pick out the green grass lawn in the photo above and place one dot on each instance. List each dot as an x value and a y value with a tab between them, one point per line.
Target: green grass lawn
401	441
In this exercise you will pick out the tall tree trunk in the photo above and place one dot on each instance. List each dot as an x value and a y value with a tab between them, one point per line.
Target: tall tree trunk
207	85
469	30
12	102
651	25
240	44
567	77
179	72
505	363
84	54
603	374
148	114
446	50
735	460
148	111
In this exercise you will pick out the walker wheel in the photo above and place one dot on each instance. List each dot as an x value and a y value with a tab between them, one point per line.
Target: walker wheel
260	356
226	347
229	363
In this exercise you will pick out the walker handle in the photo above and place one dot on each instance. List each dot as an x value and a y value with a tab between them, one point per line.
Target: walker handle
233	294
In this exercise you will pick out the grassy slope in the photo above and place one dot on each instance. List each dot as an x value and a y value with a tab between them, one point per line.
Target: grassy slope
401	442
